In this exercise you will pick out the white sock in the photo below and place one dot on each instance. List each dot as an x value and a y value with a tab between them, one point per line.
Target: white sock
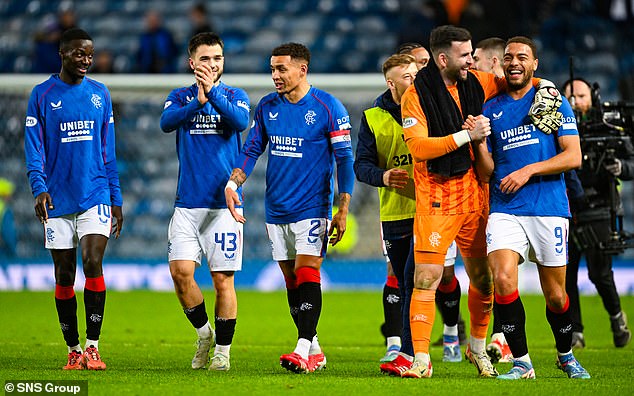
423	358
205	331
450	330
94	343
525	359
563	354
222	349
76	348
393	341
302	348
315	348
477	344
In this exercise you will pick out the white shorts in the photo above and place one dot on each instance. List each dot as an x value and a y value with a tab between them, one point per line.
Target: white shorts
212	232
66	231
309	237
543	240
450	257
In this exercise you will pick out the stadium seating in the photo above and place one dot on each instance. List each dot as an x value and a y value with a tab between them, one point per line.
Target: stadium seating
347	36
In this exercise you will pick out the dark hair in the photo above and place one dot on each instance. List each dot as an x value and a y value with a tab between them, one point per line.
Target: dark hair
205	38
397	60
200	7
73	34
492	43
294	50
441	37
407	48
524	40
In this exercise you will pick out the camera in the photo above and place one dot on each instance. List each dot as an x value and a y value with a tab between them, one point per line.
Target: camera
606	133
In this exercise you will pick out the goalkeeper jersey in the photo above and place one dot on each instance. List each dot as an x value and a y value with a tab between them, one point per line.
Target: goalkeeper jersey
514	143
435	194
69	145
207	141
304	140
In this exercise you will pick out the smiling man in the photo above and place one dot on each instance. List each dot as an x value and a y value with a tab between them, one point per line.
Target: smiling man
450	200
529	207
70	158
208	117
307	131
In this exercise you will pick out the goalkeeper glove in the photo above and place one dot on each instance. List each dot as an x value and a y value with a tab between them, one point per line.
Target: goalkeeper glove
547	122
543	111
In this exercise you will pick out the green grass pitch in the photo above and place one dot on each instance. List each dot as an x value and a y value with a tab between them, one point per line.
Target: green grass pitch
148	343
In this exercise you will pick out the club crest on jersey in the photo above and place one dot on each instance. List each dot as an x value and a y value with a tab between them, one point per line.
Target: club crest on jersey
310	117
273	117
96	100
56	106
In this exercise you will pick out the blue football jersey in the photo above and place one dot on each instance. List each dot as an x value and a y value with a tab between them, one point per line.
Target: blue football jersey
207	141
304	140
516	142
69	145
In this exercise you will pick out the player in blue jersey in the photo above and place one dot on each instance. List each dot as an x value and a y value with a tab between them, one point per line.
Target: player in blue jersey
208	117
307	131
528	206
70	158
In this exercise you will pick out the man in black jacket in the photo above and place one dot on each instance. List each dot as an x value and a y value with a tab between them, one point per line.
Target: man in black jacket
592	220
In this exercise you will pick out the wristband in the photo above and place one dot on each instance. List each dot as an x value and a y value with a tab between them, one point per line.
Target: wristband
232	185
461	137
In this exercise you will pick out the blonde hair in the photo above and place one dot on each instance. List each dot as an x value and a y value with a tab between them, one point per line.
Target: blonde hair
397	60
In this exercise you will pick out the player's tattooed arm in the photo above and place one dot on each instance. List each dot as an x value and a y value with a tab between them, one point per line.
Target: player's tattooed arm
339	219
344	201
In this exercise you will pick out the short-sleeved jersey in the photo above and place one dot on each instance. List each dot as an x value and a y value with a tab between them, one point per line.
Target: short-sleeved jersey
516	142
70	145
207	141
435	194
302	138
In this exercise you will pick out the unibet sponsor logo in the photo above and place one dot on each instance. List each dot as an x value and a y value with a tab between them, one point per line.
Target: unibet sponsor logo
286	146
77	130
206	124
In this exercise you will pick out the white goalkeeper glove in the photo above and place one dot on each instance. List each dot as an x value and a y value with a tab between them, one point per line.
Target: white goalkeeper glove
543	111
